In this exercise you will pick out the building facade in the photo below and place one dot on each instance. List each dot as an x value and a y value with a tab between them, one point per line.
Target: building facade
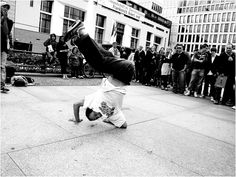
204	21
126	22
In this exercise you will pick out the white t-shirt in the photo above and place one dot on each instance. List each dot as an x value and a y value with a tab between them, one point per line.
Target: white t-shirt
108	101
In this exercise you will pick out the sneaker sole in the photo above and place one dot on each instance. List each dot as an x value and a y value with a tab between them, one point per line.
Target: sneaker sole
71	30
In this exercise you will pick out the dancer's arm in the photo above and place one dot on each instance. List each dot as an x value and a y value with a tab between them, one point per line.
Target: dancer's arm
76	107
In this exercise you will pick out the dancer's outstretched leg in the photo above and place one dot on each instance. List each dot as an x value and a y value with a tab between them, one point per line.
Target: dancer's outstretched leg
99	58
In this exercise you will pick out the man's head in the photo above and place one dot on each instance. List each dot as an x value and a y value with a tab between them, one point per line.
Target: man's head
5	5
203	48
140	48
153	49
179	48
229	49
92	115
114	44
213	51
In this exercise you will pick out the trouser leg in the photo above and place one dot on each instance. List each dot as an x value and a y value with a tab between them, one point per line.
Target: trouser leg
104	61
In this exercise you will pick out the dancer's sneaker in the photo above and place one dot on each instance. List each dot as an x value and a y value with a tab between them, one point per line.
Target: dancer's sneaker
74	30
4	89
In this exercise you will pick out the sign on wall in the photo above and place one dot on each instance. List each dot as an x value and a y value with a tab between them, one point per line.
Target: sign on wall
122	8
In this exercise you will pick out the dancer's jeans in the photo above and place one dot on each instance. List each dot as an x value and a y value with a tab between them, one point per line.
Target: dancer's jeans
103	60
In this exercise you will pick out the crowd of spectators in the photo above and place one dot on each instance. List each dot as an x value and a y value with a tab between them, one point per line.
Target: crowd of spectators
191	75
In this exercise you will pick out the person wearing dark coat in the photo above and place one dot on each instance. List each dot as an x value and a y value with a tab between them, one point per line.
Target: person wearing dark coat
62	53
6	27
226	67
138	60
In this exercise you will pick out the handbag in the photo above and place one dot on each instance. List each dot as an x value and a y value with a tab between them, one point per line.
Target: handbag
221	81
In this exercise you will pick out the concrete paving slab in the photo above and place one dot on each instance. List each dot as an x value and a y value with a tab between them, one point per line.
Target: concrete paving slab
9	168
96	155
201	154
157	107
205	125
23	128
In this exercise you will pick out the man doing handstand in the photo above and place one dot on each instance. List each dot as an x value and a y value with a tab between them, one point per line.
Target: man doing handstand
106	103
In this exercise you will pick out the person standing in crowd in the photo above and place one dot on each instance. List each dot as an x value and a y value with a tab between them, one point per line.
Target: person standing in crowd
114	50
6	27
149	65
74	62
51	47
139	57
210	77
123	53
179	62
62	54
199	65
165	71
228	62
158	64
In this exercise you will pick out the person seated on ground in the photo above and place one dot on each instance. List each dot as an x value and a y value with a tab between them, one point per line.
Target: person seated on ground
22	81
51	47
106	103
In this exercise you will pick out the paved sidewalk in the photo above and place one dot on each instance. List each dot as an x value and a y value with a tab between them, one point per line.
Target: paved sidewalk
167	135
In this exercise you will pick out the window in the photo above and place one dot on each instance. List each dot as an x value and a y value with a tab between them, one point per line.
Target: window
221	6
212	7
214	18
191	28
234	39
31	3
192	19
216	28
200	18
221	27
220	38
46	6
217	6
218	17
228	16
203	28
120	33
209	18
45	23
199	8
226	27
134	38
210	38
148	39
70	15
188	19
206	38
99	30
157	40
205	18
224	38
232	26
182	38
223	17
198	28
234	16
74	13
230	38
215	38
193	38
197	18
207	28
189	38
212	28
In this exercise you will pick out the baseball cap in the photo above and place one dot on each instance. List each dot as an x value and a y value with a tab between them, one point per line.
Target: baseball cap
5	4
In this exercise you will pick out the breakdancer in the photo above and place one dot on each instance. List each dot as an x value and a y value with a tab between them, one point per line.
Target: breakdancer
105	103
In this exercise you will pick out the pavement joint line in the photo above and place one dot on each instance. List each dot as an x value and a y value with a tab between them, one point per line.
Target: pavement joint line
16	164
58	141
196	132
162	157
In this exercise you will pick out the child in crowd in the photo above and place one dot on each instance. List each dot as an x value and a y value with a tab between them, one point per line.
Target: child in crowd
74	62
165	71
